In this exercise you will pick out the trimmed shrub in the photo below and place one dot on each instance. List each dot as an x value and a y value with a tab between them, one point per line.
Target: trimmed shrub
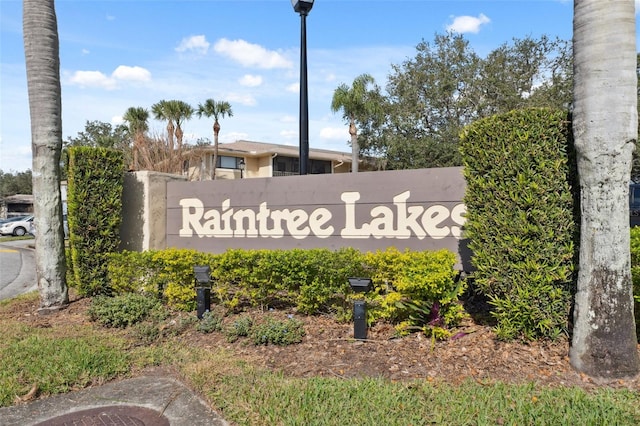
94	202
522	218
406	284
635	274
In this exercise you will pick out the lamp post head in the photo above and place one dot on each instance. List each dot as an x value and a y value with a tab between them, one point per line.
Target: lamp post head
360	285
302	6
202	275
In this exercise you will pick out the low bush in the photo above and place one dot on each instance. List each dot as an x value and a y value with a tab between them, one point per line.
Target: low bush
277	332
122	311
210	322
239	328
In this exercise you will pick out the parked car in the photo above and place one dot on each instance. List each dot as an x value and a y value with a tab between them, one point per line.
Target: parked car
17	227
12	219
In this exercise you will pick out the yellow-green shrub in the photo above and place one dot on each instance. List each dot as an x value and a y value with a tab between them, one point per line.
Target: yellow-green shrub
406	284
417	289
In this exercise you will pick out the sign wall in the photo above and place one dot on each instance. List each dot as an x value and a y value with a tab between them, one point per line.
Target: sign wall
416	209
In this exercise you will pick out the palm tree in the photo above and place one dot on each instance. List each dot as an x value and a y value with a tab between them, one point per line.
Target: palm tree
182	111
163	111
42	56
137	119
217	110
357	103
174	112
605	130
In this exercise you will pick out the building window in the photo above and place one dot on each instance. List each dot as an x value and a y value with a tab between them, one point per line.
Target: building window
285	166
226	162
319	167
288	166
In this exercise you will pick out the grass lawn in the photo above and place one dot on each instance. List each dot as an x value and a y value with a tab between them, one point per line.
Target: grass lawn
77	353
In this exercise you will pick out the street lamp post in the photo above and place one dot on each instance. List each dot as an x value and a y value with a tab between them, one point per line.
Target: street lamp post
303	7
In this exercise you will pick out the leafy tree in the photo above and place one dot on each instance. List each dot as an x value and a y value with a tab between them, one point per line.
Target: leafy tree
432	97
42	54
15	183
358	103
98	134
137	119
605	128
217	110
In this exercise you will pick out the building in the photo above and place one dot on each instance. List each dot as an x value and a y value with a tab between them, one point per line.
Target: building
16	205
247	159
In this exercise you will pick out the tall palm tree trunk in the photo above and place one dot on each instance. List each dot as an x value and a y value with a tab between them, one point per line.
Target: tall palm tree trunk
605	131
43	82
216	131
355	149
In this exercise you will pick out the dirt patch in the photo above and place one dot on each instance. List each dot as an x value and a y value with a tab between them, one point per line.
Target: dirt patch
329	350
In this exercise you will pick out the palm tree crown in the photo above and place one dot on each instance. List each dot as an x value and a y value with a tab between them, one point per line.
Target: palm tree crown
357	101
217	110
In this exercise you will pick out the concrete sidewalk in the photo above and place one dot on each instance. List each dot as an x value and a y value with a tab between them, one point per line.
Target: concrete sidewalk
147	400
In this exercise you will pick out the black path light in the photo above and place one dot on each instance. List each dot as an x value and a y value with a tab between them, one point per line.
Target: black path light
360	285
203	289
303	7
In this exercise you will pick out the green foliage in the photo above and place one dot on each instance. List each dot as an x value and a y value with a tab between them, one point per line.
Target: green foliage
447	86
277	332
418	290
635	274
239	328
94	201
210	322
122	311
521	218
167	274
313	281
15	183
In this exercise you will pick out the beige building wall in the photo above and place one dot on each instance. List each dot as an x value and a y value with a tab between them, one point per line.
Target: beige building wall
144	210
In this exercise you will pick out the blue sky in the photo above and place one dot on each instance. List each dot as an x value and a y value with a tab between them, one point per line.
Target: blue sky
118	53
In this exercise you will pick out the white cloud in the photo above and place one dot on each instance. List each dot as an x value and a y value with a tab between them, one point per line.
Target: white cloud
111	18
117	119
293	88
92	79
468	24
338	133
197	44
247	100
251	55
122	73
250	80
288	119
85	51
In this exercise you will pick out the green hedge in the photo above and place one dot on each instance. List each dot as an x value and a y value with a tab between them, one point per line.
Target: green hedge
313	281
94	203
635	274
521	218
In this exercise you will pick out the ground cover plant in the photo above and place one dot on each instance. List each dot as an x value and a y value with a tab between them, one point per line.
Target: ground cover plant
327	378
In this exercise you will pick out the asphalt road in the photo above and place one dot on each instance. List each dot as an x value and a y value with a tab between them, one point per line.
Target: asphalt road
17	268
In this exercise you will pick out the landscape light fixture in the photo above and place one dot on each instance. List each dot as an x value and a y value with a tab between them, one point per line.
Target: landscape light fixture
203	289
303	7
242	166
360	285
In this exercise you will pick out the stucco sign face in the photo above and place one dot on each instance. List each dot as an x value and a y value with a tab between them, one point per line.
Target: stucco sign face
416	209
